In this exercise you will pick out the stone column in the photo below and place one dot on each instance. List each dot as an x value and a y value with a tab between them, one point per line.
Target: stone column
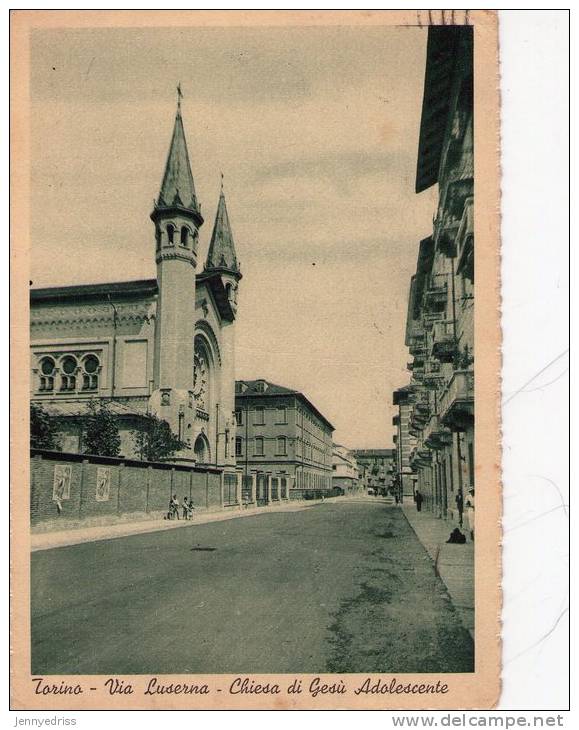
222	489
253	494
268	487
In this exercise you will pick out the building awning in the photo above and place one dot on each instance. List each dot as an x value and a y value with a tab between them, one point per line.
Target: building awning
442	54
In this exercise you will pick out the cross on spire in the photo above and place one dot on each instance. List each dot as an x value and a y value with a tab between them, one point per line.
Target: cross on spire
179	96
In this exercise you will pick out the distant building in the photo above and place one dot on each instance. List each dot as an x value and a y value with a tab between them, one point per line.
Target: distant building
345	471
379	468
404	441
282	439
362	477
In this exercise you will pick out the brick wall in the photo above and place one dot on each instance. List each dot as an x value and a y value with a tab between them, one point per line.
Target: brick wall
75	486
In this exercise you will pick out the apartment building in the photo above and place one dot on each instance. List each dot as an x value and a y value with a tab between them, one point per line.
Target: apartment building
282	440
439	400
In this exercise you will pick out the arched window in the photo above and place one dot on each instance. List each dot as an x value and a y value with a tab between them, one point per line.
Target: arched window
184	236
90	376
201	449
238	447
281	446
228	290
201	384
47	368
68	367
171	233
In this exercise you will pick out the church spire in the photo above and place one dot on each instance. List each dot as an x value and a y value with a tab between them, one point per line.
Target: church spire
177	188
221	255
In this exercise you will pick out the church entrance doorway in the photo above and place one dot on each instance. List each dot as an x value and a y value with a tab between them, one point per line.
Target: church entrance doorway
201	448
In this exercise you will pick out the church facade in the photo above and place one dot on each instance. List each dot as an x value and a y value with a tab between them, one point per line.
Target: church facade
164	346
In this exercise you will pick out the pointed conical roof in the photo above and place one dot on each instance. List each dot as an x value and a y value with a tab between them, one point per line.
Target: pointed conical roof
177	187
221	253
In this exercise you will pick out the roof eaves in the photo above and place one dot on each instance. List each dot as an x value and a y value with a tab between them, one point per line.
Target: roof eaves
126	289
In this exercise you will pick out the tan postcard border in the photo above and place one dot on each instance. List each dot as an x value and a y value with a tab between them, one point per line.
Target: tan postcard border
478	690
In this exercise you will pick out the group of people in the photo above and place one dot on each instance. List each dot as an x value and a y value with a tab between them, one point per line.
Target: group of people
187	508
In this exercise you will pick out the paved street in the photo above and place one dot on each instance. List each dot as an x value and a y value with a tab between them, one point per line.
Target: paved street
340	587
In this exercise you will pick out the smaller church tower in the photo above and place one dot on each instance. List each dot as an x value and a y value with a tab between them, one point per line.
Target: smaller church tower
177	220
222	262
221	257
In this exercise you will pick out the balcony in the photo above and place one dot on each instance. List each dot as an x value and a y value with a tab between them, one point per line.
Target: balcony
465	242
458	191
443	341
429	319
420	457
417	345
436	435
419	417
445	231
421	411
435	297
432	376
417	376
418	395
456	404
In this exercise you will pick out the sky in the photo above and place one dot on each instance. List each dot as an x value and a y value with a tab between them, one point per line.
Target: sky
316	133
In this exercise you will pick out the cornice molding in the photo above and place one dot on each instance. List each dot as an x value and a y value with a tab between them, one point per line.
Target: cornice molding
171	254
91	314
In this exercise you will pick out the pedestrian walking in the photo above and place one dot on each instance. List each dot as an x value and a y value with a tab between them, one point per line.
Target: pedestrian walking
469	504
418	499
190	509
185	509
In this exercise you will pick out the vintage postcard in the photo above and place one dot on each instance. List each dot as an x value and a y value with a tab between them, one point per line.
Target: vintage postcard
256	453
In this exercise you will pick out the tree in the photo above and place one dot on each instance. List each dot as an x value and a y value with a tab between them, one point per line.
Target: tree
101	431
43	429
156	442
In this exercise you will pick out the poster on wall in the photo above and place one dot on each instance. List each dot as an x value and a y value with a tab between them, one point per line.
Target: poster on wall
61	482
103	484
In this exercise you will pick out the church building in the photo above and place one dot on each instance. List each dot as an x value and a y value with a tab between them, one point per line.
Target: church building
163	346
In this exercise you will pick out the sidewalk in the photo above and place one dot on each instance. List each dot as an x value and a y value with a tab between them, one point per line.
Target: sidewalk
65	538
455	562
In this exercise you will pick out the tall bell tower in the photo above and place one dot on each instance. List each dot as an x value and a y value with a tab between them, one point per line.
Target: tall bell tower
177	218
